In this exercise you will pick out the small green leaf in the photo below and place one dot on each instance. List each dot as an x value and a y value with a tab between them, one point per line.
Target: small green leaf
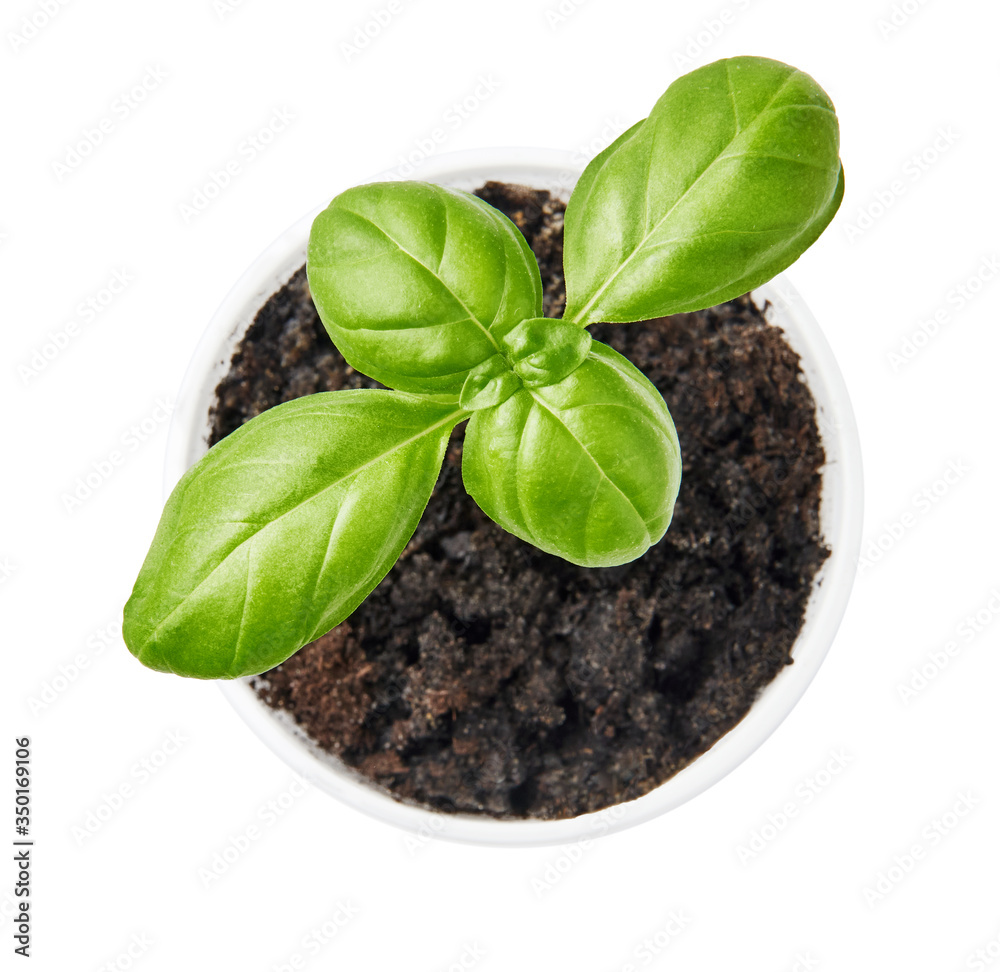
489	384
417	284
282	529
587	468
731	178
543	351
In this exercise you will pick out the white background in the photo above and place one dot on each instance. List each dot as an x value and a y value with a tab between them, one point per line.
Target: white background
564	82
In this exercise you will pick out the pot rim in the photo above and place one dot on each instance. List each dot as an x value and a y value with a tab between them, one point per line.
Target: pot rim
841	515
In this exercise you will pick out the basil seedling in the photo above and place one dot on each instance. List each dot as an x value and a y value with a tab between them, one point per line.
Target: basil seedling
284	527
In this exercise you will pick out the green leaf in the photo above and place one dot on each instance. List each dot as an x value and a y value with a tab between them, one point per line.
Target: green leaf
489	384
417	284
543	351
587	468
731	178
282	529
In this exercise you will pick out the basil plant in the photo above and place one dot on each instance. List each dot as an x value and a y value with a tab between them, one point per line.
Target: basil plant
285	526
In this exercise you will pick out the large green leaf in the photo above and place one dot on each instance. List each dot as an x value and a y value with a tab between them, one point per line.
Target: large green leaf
417	284
732	177
282	529
587	468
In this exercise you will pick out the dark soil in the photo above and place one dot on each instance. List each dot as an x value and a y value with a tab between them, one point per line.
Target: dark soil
485	676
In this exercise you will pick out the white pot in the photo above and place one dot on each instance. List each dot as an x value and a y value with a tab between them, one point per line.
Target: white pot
841	519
